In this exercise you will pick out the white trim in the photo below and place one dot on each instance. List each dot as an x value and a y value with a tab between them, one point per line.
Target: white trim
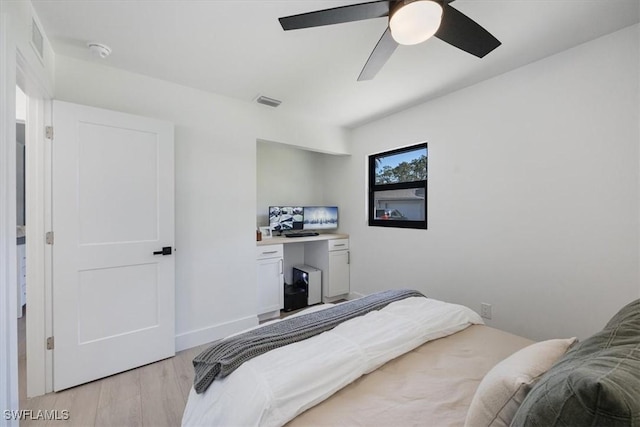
9	397
19	66
39	360
213	333
337	298
354	295
47	266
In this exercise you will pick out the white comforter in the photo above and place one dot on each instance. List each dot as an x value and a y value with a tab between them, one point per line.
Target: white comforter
273	388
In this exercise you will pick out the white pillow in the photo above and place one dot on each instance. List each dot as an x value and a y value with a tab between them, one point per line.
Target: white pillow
505	386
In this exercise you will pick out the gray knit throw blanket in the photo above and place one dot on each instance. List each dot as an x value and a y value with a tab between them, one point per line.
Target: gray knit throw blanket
223	357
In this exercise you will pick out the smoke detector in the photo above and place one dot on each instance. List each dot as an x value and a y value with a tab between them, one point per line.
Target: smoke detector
99	50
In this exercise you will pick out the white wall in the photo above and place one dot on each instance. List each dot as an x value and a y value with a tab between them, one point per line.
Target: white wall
215	140
533	193
288	175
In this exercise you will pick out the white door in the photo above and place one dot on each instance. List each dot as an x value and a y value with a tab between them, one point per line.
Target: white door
113	195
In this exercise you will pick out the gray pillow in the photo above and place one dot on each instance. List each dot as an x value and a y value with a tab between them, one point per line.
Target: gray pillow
596	383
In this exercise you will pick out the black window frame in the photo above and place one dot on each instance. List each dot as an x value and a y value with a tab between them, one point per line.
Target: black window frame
373	188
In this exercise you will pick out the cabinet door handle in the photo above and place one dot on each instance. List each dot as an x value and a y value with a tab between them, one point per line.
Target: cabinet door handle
269	252
281	266
349	257
341	244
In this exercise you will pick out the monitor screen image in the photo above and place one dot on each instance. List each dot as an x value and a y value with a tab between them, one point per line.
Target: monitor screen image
285	217
320	217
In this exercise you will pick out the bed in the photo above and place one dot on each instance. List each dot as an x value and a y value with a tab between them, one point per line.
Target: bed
452	374
398	393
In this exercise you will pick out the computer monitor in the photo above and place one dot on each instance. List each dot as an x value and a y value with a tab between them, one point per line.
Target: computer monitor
285	217
320	217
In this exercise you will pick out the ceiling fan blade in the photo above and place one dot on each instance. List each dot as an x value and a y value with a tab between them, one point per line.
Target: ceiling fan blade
459	30
336	15
381	53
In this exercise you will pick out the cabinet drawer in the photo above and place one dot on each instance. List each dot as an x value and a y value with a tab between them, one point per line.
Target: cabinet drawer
338	244
270	251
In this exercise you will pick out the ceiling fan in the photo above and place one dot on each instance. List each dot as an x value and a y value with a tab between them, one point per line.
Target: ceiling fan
410	22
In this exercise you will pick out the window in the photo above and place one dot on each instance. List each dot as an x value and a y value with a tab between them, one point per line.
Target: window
398	188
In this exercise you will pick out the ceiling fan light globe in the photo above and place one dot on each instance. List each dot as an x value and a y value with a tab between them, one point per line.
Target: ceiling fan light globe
415	22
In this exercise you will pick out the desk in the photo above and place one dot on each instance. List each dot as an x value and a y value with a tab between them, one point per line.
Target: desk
276	240
276	257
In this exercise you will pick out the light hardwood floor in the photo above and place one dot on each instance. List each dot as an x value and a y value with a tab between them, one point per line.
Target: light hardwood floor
153	395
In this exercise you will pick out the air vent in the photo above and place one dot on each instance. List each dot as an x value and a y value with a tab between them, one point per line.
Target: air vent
268	101
37	41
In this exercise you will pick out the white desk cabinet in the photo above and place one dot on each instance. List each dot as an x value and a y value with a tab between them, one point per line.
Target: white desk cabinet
333	258
270	279
326	252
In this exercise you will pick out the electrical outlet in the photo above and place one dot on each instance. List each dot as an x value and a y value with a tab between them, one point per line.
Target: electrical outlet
485	310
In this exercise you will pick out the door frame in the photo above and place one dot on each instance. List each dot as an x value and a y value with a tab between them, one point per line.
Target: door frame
8	320
38	222
19	64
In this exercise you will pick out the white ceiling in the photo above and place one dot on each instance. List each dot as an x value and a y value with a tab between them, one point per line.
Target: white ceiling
238	49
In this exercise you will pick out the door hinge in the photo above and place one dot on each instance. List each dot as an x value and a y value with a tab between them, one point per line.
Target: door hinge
50	343
48	237
48	132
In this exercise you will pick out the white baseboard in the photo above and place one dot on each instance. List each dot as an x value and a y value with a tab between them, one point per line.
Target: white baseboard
349	296
212	333
268	316
354	295
331	300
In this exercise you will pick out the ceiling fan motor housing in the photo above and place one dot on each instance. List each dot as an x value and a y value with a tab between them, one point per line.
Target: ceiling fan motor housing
414	21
